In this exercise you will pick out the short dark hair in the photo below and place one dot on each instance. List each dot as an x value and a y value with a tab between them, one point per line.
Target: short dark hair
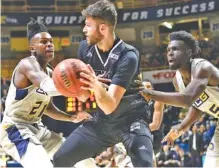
103	10
34	27
148	80
188	39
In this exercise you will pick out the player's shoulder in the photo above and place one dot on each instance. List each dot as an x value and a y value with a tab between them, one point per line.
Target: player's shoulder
131	50
27	62
129	46
199	63
84	45
202	67
31	59
84	48
49	71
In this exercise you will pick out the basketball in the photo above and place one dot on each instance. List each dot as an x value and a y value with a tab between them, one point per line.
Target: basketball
66	77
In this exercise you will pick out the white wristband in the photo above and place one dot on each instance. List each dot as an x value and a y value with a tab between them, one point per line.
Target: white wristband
48	86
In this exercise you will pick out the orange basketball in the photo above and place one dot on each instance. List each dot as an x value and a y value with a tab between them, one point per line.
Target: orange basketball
66	78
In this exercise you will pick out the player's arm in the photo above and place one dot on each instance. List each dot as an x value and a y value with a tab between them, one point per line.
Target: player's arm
109	100
157	116
53	112
105	155
192	116
176	131
175	84
195	88
31	69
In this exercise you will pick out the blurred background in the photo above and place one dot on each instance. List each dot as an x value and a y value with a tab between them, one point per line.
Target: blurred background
143	23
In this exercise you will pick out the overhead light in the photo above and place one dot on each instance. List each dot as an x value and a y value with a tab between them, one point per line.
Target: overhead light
168	25
119	4
206	39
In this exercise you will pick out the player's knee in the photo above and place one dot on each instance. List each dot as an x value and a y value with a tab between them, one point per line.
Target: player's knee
62	160
141	159
57	159
141	155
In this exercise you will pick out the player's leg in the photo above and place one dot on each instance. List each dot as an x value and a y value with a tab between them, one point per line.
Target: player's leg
212	155
21	144
90	163
35	157
154	160
139	145
157	138
85	142
52	142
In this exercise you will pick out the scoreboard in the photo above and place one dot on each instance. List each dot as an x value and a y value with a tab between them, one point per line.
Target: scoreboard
73	104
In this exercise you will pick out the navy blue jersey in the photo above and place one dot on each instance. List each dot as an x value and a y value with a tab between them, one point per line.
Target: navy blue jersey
150	114
157	134
150	110
121	65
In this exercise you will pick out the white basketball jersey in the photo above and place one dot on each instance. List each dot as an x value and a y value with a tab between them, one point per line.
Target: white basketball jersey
25	105
208	101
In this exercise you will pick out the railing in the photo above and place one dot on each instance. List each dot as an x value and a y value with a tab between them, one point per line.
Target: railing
69	5
14	5
10	6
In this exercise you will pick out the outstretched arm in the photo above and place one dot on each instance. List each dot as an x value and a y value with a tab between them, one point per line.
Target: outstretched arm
53	112
176	131
195	88
193	115
30	69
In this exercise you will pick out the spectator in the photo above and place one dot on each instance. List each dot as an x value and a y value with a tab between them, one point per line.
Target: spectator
4	85
196	147
164	156
1	112
185	158
3	98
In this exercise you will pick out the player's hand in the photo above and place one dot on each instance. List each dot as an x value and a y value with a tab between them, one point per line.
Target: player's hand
89	78
140	83
146	93
173	134
80	116
104	80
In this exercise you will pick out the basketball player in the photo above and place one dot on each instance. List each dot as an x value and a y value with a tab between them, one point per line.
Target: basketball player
23	136
197	81
156	109
121	113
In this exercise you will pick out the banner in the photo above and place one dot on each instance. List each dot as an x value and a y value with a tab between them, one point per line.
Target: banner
159	76
214	24
124	16
169	11
147	33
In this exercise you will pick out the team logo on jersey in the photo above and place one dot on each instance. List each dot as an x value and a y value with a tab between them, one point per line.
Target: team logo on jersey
214	109
135	126
104	74
203	98
211	146
89	54
41	91
114	56
64	77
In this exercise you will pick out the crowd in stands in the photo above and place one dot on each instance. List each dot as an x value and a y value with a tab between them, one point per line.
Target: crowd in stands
156	58
189	150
